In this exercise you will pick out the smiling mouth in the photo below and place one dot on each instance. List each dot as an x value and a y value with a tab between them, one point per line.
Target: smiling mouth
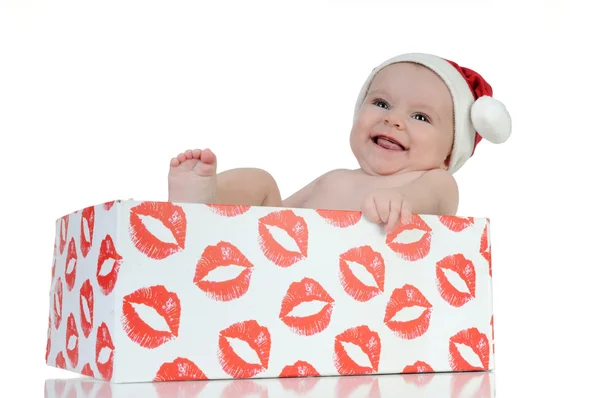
387	143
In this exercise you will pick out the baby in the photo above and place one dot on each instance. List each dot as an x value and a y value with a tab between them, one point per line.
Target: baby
417	120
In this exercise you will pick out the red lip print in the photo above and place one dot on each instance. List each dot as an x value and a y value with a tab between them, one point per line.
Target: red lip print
228	210
418	367
48	346
108	205
304	291
223	254
369	343
63	233
104	341
485	248
86	307
339	218
60	361
463	268
87	370
304	377
58	301
296	228
71	265
108	252
165	303
299	369
456	224
86	228
411	251
405	297
179	369
49	341
373	263
493	339
72	341
53	267
475	340
172	217
257	337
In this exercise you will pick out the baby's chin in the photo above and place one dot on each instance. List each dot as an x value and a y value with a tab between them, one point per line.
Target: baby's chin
383	170
377	166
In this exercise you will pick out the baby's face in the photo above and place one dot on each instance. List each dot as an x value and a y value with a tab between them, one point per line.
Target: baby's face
412	108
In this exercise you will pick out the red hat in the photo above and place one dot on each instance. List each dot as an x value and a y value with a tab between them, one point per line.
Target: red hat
477	114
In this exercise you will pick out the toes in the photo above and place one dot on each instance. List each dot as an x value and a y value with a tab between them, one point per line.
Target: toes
208	157
205	169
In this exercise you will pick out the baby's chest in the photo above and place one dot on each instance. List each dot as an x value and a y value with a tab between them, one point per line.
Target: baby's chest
347	190
341	193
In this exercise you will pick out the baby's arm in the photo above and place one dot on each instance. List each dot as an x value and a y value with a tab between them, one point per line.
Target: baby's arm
435	192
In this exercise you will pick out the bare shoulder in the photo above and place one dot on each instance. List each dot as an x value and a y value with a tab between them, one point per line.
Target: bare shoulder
332	174
434	192
445	188
301	196
336	173
441	178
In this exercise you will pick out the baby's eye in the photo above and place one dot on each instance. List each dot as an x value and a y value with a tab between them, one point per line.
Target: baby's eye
421	117
381	103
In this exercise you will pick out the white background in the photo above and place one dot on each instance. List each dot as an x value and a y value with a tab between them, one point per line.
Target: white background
96	97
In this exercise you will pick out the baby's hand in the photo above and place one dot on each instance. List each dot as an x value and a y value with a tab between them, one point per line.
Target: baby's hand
387	206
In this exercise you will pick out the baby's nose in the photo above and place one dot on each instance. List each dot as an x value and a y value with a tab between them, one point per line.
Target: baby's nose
395	123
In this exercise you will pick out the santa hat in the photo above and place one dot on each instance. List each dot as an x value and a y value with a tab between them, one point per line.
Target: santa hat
477	114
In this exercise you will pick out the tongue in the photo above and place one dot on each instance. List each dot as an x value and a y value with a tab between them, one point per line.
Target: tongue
387	144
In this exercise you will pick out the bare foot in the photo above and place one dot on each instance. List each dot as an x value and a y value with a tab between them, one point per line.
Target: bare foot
193	177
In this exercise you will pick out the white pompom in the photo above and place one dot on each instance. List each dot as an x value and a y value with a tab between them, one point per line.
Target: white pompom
491	119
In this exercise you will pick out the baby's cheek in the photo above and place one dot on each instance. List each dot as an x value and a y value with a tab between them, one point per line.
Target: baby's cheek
370	116
360	128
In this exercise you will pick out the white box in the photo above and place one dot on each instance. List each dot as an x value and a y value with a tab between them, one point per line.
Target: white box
149	291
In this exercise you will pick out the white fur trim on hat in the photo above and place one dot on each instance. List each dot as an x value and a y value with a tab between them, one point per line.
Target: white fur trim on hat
488	117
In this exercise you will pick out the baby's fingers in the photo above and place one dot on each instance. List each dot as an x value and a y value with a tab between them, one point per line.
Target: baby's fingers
383	209
399	212
394	215
406	213
369	209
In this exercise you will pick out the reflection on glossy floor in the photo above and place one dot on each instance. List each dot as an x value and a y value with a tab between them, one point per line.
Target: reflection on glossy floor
438	385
